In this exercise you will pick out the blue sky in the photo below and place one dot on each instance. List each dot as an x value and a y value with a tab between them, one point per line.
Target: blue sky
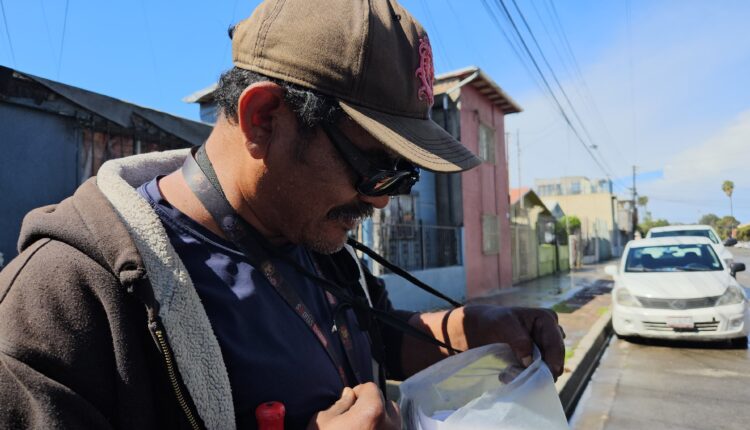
666	90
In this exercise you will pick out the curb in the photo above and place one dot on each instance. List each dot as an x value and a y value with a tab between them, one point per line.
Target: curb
570	386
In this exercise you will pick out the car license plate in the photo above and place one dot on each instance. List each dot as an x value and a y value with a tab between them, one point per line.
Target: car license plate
680	322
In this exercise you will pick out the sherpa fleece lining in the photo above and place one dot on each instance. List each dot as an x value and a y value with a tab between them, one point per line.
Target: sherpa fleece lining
195	346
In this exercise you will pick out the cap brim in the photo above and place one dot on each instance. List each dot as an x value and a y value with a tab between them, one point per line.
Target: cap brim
421	141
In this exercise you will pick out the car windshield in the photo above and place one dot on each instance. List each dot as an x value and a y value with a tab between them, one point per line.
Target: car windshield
692	233
673	258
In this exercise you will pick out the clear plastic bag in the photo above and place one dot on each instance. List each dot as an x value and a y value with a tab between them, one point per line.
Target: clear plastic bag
483	388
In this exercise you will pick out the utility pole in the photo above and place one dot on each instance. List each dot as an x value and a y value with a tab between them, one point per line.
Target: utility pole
518	153
635	213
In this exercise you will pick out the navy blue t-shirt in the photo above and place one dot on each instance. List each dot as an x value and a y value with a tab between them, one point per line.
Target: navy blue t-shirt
269	351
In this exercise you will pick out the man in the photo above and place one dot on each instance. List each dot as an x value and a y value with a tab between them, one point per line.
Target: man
186	289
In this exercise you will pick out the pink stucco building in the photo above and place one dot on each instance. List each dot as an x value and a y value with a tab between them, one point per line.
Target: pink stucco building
470	99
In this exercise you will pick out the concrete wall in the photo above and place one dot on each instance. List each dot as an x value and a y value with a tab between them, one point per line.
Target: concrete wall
547	263
405	295
595	213
39	166
485	191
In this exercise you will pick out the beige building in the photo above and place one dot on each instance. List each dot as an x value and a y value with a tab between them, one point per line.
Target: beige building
603	235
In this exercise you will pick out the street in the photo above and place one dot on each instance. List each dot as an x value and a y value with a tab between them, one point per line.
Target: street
669	385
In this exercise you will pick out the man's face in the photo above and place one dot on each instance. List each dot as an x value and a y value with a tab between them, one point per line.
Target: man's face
313	191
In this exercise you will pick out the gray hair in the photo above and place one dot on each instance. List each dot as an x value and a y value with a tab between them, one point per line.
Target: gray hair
311	108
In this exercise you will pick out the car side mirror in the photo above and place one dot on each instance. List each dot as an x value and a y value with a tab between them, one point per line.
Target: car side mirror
730	242
737	267
610	270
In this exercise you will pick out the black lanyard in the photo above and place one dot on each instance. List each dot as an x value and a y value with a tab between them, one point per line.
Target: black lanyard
251	243
202	180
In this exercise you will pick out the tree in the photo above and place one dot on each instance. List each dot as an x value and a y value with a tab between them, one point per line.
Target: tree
569	224
743	234
643	202
709	219
649	223
728	188
726	225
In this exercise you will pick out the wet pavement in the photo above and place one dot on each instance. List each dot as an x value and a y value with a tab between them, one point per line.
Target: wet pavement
580	298
552	290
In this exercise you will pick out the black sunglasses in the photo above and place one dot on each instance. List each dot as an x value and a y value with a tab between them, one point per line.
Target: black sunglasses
373	181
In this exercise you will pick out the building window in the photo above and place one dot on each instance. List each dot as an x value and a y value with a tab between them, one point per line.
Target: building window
575	187
486	143
490	234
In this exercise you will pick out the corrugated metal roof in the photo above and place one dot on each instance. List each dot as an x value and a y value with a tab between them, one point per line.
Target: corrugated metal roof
202	96
121	112
447	82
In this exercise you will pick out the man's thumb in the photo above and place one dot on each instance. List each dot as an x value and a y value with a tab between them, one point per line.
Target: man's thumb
342	404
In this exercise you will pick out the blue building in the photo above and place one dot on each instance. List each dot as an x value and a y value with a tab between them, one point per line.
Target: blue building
55	136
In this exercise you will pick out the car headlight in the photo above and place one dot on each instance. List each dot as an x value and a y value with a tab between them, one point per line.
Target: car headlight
731	296
624	298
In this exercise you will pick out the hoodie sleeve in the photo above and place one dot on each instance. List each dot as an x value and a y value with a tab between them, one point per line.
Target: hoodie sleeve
56	356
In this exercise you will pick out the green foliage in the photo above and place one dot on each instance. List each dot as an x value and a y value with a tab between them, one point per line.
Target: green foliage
643	201
709	219
743	234
725	226
569	224
728	188
649	223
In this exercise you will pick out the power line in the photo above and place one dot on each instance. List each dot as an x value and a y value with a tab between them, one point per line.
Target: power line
472	47
629	21
586	94
228	40
62	39
7	33
560	87
444	51
552	72
46	28
157	75
514	48
549	88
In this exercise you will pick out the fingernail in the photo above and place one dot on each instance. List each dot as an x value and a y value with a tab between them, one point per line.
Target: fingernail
526	361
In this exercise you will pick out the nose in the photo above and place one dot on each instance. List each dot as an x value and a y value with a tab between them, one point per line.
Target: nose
378	202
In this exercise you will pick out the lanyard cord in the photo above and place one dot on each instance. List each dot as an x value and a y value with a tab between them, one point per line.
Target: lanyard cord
400	272
212	196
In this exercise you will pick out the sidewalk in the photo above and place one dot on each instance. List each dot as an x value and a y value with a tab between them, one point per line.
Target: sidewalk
582	301
579	297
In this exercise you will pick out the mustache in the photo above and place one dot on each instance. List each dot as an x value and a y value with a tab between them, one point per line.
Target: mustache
359	210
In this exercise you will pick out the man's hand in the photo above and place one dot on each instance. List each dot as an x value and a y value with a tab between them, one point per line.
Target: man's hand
476	325
362	407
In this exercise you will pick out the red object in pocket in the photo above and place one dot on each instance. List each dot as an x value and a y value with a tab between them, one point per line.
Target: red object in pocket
270	416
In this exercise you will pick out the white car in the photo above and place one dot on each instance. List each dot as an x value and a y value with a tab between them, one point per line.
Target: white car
678	288
694	231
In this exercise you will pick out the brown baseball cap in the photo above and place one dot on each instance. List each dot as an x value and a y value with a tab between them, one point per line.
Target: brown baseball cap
371	55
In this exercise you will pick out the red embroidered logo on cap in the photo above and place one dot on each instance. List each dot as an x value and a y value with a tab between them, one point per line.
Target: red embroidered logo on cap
425	72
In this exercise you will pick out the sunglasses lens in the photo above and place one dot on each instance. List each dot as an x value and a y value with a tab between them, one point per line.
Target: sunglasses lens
390	183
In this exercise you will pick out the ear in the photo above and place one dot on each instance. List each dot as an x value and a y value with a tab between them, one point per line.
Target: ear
255	111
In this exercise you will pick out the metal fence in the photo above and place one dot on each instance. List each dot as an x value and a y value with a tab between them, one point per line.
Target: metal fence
417	246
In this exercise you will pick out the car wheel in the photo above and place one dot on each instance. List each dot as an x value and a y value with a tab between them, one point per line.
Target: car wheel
739	342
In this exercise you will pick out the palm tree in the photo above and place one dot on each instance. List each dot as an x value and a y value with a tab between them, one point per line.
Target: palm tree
643	202
728	188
